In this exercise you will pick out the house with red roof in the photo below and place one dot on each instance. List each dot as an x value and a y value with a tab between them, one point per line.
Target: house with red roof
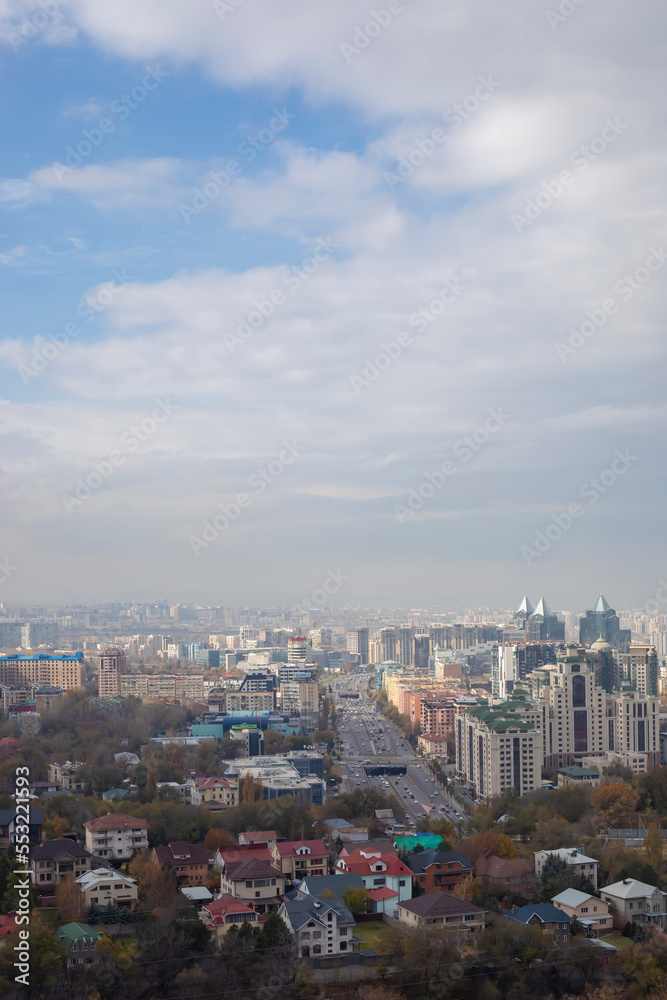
268	837
225	912
515	874
378	871
239	852
301	858
259	884
383	900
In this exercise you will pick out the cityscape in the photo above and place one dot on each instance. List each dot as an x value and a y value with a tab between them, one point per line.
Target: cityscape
333	578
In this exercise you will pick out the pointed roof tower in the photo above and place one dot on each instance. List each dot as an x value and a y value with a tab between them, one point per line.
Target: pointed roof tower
525	606
542	609
601	606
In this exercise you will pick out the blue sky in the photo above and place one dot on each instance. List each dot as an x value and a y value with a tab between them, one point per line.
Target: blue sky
472	197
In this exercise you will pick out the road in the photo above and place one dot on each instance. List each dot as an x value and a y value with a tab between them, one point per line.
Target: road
366	737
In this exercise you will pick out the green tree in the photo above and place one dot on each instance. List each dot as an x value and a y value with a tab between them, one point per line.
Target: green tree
356	900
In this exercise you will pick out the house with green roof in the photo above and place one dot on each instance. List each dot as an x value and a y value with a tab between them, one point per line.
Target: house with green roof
80	941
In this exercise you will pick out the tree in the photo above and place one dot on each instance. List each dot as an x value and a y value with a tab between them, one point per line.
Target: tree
506	847
69	900
653	847
615	799
217	838
356	900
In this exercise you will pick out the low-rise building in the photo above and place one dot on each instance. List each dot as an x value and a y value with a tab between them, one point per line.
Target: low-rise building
300	858
507	874
67	775
224	791
573	857
442	911
433	869
80	941
377	870
267	837
116	835
189	862
59	860
583	777
592	912
546	916
319	926
12	826
108	887
637	902
329	886
258	883
225	912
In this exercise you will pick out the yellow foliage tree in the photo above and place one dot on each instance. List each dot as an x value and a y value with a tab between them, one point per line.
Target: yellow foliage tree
615	799
506	847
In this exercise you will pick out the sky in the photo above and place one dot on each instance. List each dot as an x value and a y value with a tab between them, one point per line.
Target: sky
310	296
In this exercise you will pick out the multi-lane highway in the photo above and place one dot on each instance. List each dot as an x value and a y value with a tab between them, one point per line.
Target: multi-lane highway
367	738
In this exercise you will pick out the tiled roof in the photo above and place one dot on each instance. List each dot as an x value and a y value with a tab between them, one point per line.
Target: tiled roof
258	836
232	854
290	849
493	866
224	904
439	904
116	821
180	852
250	868
425	859
356	862
628	888
53	850
378	894
546	912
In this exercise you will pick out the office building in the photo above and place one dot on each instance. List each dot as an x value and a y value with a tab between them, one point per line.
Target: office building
633	726
251	738
543	624
10	635
36	634
522	614
297	648
405	642
602	622
357	642
111	664
639	667
422	651
388	644
511	663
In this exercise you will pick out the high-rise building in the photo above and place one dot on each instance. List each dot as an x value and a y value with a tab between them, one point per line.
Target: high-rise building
602	622
512	662
438	636
10	635
601	658
422	650
639	667
357	642
297	647
499	748
523	613
111	664
36	634
405	641
634	725
388	644
65	671
543	624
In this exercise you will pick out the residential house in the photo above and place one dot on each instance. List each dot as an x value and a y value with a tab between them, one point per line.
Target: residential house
546	916
378	870
383	900
638	902
443	870
228	855
300	858
573	857
510	874
582	777
592	912
67	775
425	840
188	861
8	924
371	846
268	837
59	860
80	941
8	824
260	884
320	926
214	791
225	912
108	887
443	911
116	835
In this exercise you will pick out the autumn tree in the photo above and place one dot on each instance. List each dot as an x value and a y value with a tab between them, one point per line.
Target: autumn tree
615	799
217	838
69	900
356	900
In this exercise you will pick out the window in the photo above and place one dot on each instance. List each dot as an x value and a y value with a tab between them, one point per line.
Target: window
401	881
248	884
343	931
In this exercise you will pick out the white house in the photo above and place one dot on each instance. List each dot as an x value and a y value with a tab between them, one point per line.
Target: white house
573	857
320	926
378	871
106	886
638	902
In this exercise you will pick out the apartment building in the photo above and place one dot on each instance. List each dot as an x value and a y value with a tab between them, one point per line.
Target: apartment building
163	687
65	671
67	775
116	835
